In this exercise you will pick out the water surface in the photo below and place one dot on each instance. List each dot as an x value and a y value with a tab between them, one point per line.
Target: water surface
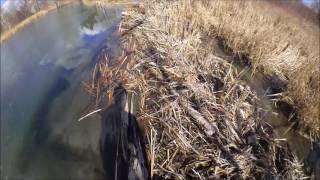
42	70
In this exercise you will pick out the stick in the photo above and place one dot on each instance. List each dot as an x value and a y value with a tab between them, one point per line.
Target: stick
98	110
197	116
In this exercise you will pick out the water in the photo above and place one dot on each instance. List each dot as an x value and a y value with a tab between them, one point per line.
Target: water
42	70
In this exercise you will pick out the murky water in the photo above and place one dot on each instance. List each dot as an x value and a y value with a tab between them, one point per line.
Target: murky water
42	68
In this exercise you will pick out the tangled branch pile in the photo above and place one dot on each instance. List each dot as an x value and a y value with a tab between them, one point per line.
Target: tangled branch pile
200	120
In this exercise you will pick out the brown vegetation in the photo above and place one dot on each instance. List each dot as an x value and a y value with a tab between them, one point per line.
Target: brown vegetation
296	8
280	45
200	119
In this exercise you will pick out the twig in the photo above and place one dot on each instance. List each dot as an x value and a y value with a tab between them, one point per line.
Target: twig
197	116
98	110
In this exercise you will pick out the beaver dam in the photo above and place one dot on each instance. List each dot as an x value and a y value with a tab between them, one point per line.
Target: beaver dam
180	89
222	89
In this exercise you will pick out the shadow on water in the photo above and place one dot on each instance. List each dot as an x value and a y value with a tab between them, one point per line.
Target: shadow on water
121	143
40	130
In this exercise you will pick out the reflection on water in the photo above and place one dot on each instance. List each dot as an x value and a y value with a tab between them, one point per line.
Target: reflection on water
98	20
42	68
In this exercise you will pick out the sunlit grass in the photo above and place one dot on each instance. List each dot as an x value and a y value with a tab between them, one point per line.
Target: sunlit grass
200	119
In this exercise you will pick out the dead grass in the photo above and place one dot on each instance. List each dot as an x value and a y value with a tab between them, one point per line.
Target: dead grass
282	46
200	120
278	44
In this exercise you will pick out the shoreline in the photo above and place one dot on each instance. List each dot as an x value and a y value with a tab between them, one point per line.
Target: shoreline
178	61
107	3
11	32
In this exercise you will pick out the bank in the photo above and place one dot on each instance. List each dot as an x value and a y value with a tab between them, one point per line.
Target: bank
9	33
200	116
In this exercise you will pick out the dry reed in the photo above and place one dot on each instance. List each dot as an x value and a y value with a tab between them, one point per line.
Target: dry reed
279	44
200	120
